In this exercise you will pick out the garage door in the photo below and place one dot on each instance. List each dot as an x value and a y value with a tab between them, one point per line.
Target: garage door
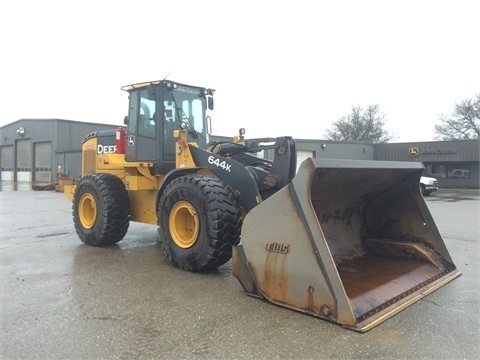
43	162
24	160
302	155
6	165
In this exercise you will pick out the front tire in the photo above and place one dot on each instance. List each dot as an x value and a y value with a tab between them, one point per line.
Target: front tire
424	191
101	209
199	221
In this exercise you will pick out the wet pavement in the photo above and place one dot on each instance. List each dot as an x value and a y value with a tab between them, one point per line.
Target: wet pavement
61	299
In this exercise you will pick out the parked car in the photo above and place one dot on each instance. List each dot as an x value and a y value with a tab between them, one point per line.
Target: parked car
460	174
428	185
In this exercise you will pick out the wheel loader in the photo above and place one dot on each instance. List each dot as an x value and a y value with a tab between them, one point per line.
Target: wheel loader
351	242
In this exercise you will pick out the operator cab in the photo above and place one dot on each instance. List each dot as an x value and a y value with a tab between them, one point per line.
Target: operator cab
156	110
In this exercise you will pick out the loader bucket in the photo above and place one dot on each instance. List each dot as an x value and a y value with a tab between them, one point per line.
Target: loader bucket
352	242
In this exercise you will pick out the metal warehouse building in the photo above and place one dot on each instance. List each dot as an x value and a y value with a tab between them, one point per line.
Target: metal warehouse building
39	150
453	163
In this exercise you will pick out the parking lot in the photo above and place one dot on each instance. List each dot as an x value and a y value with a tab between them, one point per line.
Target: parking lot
61	299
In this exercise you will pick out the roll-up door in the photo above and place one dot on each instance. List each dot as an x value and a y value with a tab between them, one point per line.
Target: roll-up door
302	155
24	160
43	162
6	166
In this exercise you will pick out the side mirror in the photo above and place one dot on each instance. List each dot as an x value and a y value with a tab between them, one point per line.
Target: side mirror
210	102
125	120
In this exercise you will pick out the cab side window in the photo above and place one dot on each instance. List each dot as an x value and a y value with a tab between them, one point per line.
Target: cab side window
146	116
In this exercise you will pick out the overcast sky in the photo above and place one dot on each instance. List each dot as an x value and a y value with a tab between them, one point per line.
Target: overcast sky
278	67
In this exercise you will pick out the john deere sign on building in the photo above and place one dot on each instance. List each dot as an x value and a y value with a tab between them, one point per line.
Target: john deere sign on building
451	162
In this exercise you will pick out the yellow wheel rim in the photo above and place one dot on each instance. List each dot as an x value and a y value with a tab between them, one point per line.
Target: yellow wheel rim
87	211
184	224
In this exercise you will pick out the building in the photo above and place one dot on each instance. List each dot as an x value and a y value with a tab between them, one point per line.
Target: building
453	163
39	150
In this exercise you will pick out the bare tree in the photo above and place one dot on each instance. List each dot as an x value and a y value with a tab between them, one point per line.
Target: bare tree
363	125
463	124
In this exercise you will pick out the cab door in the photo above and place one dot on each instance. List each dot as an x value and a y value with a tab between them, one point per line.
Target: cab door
142	127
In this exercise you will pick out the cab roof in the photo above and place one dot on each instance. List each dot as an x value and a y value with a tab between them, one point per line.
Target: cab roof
141	85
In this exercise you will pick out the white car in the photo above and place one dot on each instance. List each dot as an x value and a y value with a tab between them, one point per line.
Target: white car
428	185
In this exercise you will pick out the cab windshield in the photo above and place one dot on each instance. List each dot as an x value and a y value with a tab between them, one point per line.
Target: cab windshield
185	103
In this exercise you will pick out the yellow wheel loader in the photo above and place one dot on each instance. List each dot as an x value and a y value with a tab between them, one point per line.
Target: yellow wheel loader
352	242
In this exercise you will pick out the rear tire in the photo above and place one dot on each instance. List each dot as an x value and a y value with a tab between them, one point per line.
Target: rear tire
101	209
199	221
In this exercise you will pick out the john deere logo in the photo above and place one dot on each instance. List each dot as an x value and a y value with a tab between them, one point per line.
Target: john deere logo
413	151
